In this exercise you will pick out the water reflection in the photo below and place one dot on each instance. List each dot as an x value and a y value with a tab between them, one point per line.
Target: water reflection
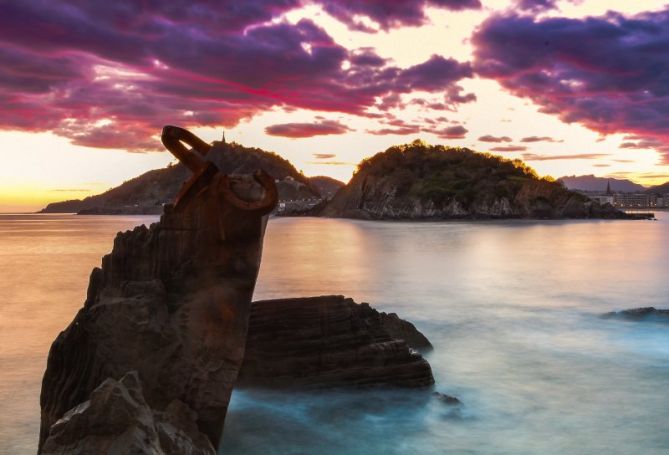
511	308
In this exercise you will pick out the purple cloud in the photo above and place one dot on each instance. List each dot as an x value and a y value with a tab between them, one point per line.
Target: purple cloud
509	148
110	74
396	126
302	130
536	6
609	73
578	156
450	132
497	139
389	14
539	139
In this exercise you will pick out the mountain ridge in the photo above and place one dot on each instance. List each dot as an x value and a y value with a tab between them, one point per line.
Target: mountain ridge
592	183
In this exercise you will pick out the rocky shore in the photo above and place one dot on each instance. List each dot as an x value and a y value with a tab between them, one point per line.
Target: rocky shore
149	362
640	314
331	341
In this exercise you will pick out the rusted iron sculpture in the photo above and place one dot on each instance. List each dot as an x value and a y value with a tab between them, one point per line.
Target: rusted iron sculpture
172	301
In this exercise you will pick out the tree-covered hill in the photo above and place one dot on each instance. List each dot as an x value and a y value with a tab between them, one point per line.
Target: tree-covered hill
147	193
419	181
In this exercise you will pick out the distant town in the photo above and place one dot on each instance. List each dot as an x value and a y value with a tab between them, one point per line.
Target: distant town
628	200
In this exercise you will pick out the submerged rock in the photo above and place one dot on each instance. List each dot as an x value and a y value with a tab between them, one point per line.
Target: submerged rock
447	399
638	314
117	419
401	329
171	302
331	341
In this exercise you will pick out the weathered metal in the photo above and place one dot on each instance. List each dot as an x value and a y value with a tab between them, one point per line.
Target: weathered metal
204	172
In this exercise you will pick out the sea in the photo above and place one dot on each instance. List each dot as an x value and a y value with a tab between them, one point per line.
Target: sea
512	308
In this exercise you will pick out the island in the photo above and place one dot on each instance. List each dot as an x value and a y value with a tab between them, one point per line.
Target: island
413	181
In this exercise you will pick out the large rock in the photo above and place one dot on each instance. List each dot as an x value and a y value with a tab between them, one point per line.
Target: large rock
331	341
117	420
171	302
640	314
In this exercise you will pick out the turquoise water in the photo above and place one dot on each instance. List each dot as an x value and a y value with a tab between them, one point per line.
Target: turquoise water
511	308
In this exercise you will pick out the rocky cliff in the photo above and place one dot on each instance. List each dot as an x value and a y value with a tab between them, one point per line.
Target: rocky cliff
117	419
171	302
640	314
331	341
327	186
417	181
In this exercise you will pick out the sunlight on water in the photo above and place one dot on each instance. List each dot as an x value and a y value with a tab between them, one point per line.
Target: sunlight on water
511	308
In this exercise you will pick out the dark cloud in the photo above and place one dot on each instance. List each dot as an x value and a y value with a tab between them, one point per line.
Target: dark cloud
579	156
509	148
110	74
432	126
609	73
324	156
497	139
431	75
389	13
450	132
540	139
302	130
536	6
398	130
333	163
641	142
396	126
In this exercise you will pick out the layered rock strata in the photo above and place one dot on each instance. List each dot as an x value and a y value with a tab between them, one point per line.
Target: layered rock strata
117	419
171	302
331	341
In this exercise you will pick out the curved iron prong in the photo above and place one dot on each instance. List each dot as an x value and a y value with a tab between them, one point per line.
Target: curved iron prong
172	138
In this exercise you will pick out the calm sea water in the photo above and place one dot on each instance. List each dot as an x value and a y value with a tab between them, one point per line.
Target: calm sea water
511	308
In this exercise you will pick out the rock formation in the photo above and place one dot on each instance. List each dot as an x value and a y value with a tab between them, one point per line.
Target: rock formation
117	419
331	341
640	314
171	302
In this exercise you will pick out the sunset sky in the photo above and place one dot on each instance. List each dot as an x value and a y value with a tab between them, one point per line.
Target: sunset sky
571	87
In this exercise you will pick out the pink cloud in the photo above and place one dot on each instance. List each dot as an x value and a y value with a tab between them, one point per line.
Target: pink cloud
110	74
302	130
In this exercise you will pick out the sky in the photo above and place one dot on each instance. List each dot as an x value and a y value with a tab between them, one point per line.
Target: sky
570	86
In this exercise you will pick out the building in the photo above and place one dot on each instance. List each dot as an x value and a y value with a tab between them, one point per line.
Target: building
634	200
602	198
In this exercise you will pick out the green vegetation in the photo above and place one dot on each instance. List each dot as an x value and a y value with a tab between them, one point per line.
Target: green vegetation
148	192
440	174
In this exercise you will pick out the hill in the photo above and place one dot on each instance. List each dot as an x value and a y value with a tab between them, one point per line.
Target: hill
592	183
418	181
659	189
326	186
147	193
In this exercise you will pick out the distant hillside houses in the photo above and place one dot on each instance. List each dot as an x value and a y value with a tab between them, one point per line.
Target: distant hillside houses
629	200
